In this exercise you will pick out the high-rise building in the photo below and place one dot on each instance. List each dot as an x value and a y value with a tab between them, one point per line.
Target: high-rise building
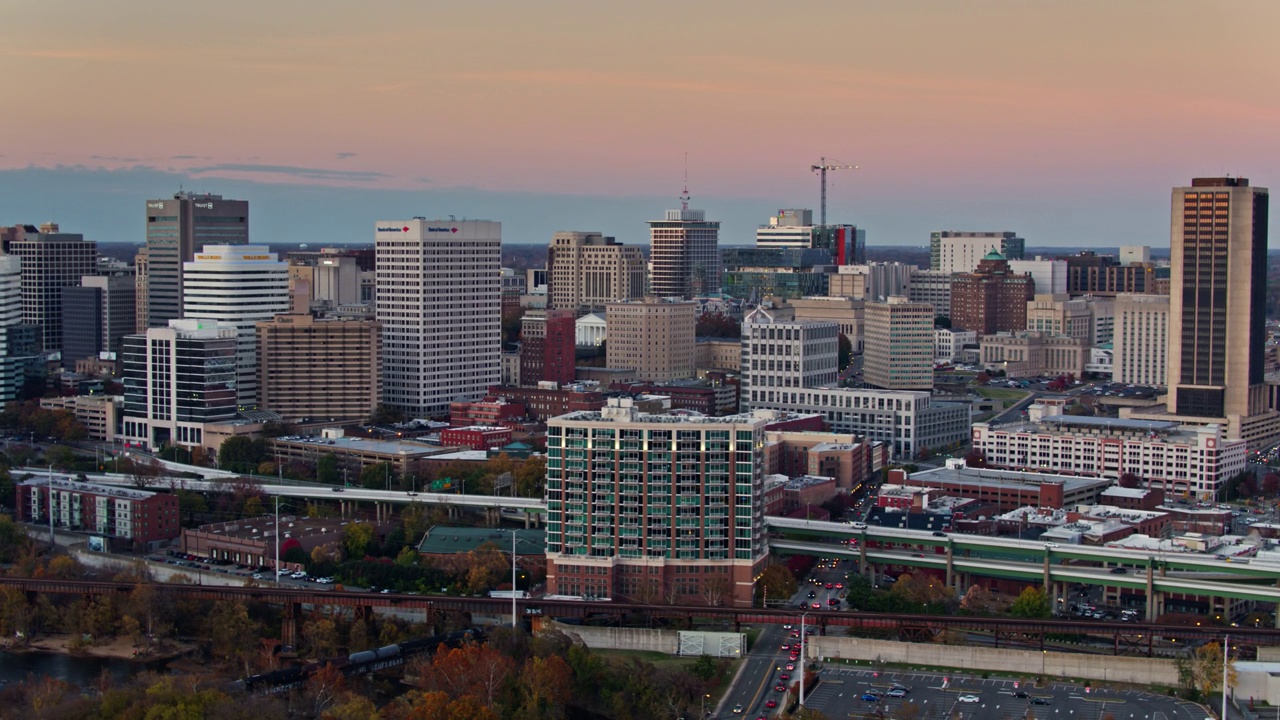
177	228
873	281
753	274
627	522
547	343
795	229
1218	298
19	344
587	270
51	261
96	315
439	298
241	285
960	252
1050	275
780	352
320	368
654	337
1091	274
176	380
933	287
142	311
1091	319
684	251
898	354
336	280
990	299
1141	340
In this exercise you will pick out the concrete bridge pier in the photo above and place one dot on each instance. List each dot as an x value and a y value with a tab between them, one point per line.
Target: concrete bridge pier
1046	571
292	624
492	518
1151	595
950	568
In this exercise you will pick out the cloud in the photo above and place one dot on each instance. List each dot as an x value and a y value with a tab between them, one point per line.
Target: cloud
423	180
116	158
292	170
189	157
345	155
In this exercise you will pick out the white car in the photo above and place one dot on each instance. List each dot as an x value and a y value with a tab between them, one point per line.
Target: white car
298	575
969	699
737	709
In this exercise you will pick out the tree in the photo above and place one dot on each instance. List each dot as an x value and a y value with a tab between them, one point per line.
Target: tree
844	351
776	582
942	321
320	637
975	459
327	469
983	378
978	600
356	538
1130	480
240	453
717	324
375	477
487	566
1200	671
1271	483
716	590
234	634
60	456
142	470
545	685
471	670
530	477
1033	602
323	688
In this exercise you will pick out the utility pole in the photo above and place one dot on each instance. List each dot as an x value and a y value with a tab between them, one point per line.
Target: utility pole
277	567
803	664
821	168
513	579
52	543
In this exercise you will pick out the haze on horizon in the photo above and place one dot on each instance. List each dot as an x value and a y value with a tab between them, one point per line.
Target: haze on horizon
1066	122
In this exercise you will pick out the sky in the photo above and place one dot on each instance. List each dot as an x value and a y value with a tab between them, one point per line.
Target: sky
1066	122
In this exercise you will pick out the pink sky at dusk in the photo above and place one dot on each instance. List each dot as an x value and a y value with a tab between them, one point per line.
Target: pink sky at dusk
604	98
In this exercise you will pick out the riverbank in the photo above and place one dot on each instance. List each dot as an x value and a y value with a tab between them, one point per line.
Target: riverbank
116	649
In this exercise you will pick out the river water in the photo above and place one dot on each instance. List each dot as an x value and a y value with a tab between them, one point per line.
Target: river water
77	670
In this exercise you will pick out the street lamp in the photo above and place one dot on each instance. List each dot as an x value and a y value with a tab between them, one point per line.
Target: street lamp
803	617
704	704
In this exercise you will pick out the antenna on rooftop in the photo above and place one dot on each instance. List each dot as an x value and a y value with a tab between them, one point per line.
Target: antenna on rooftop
684	195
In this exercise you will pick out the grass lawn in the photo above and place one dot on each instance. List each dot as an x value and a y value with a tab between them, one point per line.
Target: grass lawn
1001	393
662	661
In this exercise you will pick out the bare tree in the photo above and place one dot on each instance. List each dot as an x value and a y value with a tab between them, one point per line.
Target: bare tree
716	590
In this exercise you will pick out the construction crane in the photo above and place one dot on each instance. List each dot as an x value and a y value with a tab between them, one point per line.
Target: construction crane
822	169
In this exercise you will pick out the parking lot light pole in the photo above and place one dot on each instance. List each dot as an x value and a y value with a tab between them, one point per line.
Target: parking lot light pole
803	616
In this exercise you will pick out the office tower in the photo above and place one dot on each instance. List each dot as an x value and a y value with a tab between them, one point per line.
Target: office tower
848	314
684	252
779	351
240	285
1050	275
689	531
96	315
1091	274
547	342
653	336
873	281
19	344
1130	254
1141	340
990	299
955	252
514	285
587	270
753	274
439	299
142	311
933	287
176	230
794	228
535	281
948	344
1091	319
1217	300
176	380
320	369
51	260
898	354
335	280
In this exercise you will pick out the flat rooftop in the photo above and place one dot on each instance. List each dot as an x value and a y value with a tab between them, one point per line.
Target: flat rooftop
414	448
441	540
264	526
59	483
1006	478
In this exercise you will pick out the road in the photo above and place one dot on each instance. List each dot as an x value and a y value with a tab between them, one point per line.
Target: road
755	685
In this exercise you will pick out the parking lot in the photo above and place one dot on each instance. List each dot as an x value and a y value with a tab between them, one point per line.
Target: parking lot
942	697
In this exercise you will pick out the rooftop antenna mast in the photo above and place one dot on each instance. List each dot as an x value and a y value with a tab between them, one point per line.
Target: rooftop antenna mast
821	168
684	196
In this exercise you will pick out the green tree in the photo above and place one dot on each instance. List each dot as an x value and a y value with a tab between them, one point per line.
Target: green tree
844	351
942	321
241	454
776	584
386	415
531	476
60	456
356	538
1033	602
234	633
375	476
327	469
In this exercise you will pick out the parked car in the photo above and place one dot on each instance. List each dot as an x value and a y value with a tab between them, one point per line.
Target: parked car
969	699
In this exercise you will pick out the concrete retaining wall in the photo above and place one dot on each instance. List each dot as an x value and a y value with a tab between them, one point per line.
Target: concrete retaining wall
1026	663
613	638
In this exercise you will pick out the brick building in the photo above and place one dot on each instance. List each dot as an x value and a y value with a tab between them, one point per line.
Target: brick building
476	437
544	403
547	344
1005	489
490	412
992	298
136	519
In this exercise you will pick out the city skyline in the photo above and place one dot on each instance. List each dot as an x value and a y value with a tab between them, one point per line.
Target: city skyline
1066	124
